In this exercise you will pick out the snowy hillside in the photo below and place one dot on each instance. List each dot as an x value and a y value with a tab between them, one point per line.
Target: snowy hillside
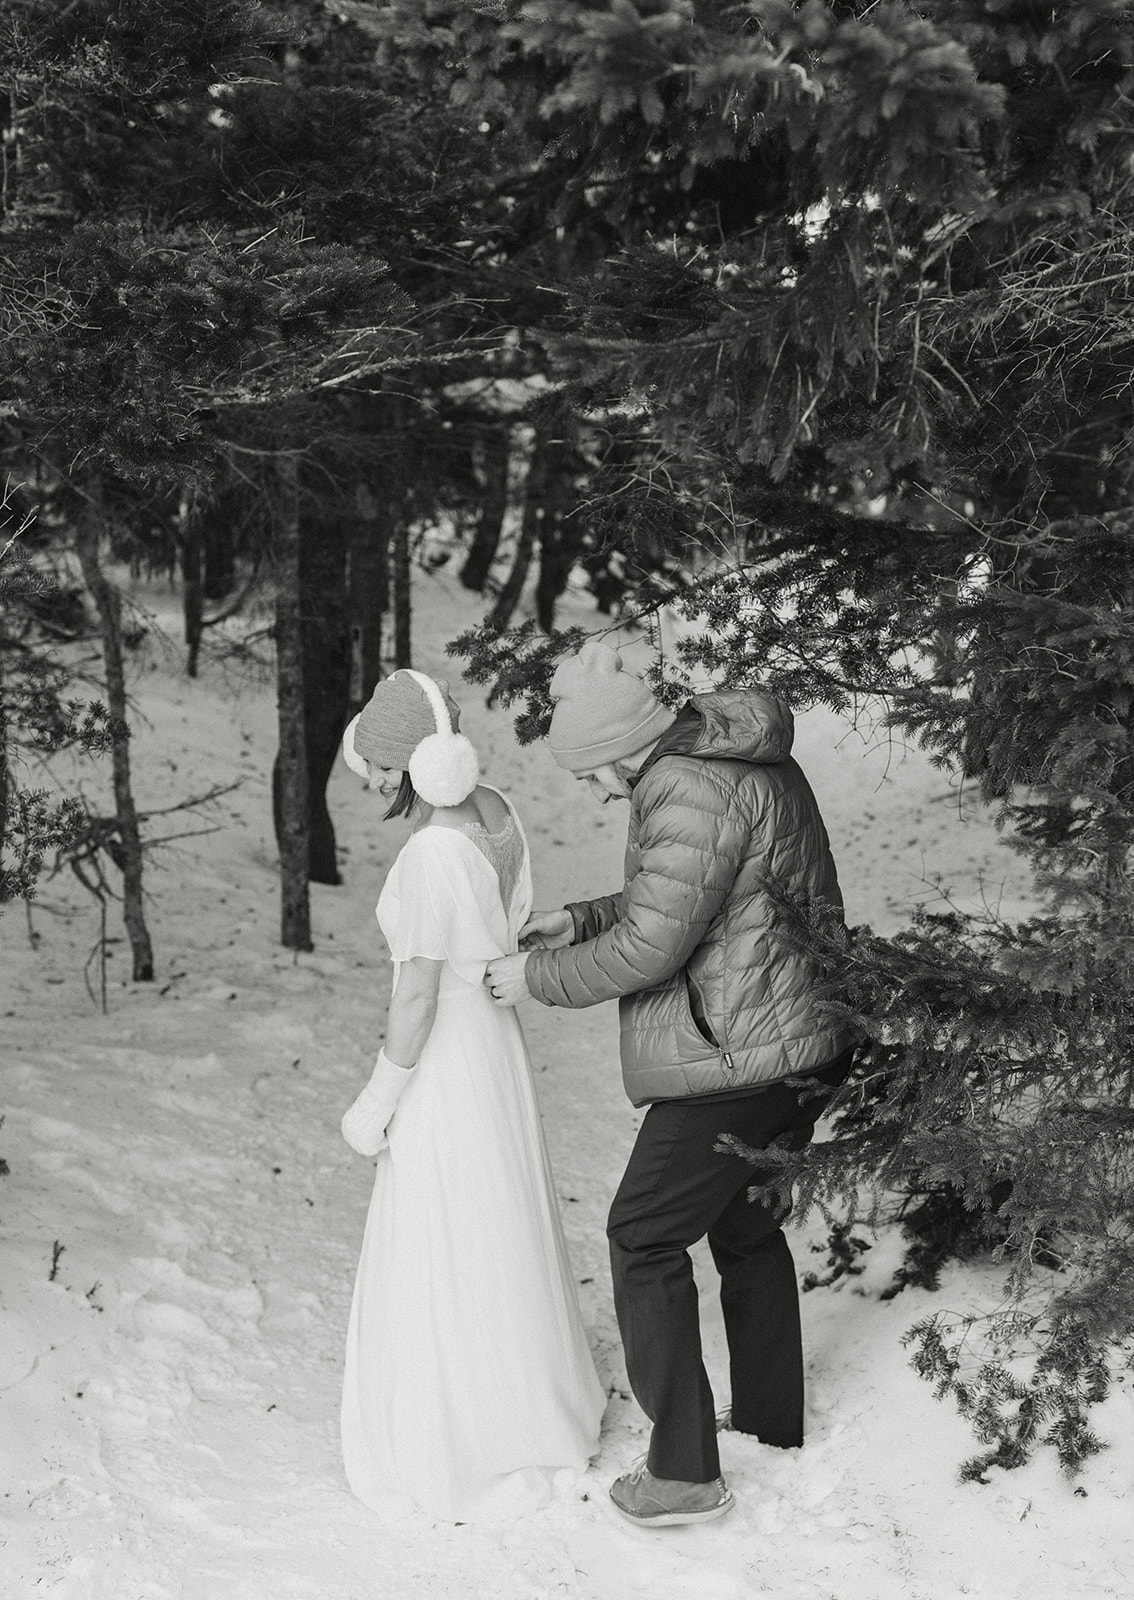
180	1223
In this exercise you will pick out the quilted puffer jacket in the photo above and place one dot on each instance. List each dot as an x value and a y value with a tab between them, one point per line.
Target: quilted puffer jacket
714	997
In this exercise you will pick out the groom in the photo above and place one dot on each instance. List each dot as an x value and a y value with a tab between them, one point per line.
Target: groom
722	1032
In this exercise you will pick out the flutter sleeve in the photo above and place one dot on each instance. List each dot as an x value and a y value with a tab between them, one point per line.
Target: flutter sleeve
442	901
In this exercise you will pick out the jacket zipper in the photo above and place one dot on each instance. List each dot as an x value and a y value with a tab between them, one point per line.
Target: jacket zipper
726	1061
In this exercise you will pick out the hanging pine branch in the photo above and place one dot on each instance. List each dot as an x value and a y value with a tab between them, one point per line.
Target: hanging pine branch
865	288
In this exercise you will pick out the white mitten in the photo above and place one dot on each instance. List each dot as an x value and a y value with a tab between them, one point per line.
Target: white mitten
364	1125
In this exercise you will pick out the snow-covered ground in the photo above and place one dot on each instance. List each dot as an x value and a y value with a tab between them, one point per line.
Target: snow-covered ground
181	1220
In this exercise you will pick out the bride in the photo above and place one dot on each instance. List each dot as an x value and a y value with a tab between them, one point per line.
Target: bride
469	1383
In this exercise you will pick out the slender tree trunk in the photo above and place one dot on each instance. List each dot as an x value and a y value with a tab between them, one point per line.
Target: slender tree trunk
559	543
509	598
218	549
368	594
192	580
400	574
560	539
326	676
290	774
108	605
493	510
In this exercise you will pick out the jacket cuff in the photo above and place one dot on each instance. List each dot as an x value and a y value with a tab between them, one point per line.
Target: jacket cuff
538	961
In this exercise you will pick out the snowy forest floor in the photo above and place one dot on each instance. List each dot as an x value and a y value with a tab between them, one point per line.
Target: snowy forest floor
181	1220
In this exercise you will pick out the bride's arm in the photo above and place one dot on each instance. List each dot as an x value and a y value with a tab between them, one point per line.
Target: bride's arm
413	1007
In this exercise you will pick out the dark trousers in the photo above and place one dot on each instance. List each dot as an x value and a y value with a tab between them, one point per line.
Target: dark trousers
677	1189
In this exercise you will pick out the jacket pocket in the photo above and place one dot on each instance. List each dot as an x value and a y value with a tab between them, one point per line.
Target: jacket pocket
697	1011
658	1024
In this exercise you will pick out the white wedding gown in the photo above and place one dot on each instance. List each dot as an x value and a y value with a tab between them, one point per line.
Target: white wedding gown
469	1382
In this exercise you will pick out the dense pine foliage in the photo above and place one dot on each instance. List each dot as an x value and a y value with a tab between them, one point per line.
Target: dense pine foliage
868	291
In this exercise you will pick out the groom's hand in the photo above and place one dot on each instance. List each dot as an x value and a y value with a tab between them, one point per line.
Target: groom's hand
505	979
547	930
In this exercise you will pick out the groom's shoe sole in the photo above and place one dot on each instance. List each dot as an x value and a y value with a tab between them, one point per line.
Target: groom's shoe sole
656	1514
667	1519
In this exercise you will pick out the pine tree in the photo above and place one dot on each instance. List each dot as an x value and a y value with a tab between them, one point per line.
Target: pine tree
867	296
260	231
168	307
39	713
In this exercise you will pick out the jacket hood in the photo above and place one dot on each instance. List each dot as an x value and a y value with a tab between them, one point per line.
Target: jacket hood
730	725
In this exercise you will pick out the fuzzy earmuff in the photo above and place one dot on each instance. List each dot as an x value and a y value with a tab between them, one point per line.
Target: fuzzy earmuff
354	761
444	769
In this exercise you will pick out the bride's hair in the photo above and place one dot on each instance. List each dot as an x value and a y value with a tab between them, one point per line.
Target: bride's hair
404	801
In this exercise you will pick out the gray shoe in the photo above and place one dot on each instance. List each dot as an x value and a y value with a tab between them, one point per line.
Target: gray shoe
658	1502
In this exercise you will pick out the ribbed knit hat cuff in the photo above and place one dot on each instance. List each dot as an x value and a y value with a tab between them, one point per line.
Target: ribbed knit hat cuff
395	720
586	757
391	750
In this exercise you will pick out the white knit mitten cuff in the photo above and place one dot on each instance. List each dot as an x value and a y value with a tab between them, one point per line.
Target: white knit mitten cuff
364	1124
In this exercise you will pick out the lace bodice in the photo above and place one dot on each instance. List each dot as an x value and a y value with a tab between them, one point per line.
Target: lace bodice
504	852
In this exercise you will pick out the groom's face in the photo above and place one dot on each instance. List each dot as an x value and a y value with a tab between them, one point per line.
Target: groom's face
607	783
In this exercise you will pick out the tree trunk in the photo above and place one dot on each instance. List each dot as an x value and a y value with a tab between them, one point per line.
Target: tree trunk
326	676
560	539
509	597
289	777
192	580
108	604
493	510
368	595
400	574
218	548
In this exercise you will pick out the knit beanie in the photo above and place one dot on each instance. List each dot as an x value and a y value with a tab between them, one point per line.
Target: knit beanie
410	724
602	713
